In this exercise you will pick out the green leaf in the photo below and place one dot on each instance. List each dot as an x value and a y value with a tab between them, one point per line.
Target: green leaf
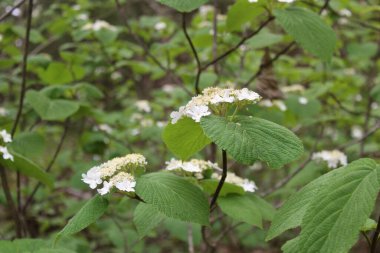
28	168
291	246
292	211
249	139
334	217
242	12
184	5
88	214
51	109
241	208
308	29
146	217
174	197
266	209
56	73
369	225
28	144
210	185
184	138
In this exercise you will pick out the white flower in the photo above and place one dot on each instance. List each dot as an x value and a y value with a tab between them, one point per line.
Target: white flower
196	112
223	97
293	88
210	100
143	106
98	25
173	164
194	165
168	88
6	136
135	131
161	124
6	154
249	186
280	104
124	182
286	1
105	128
345	12
106	188
333	158
93	177
191	167
357	132
245	94
204	9
253	1
1	37
117	172
177	115
303	100
232	178
160	26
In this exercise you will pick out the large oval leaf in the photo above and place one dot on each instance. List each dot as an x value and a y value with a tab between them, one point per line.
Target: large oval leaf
184	5
249	139
335	216
184	138
174	196
308	29
87	215
51	109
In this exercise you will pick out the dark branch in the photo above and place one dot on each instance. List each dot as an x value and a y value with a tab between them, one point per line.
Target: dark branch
241	42
50	165
199	67
8	13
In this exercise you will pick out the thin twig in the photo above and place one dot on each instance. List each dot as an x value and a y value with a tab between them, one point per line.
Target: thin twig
196	57
8	13
268	63
375	237
279	54
371	131
144	46
22	93
241	42
221	182
367	239
50	165
10	202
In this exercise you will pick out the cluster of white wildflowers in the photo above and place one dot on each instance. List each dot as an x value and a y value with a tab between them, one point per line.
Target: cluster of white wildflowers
143	106
6	138
274	103
193	166
212	100
99	25
118	172
232	178
333	158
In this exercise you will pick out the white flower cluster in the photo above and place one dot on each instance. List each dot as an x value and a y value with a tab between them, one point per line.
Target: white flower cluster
333	158
208	102
7	138
99	25
194	165
117	172
232	178
143	106
270	103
